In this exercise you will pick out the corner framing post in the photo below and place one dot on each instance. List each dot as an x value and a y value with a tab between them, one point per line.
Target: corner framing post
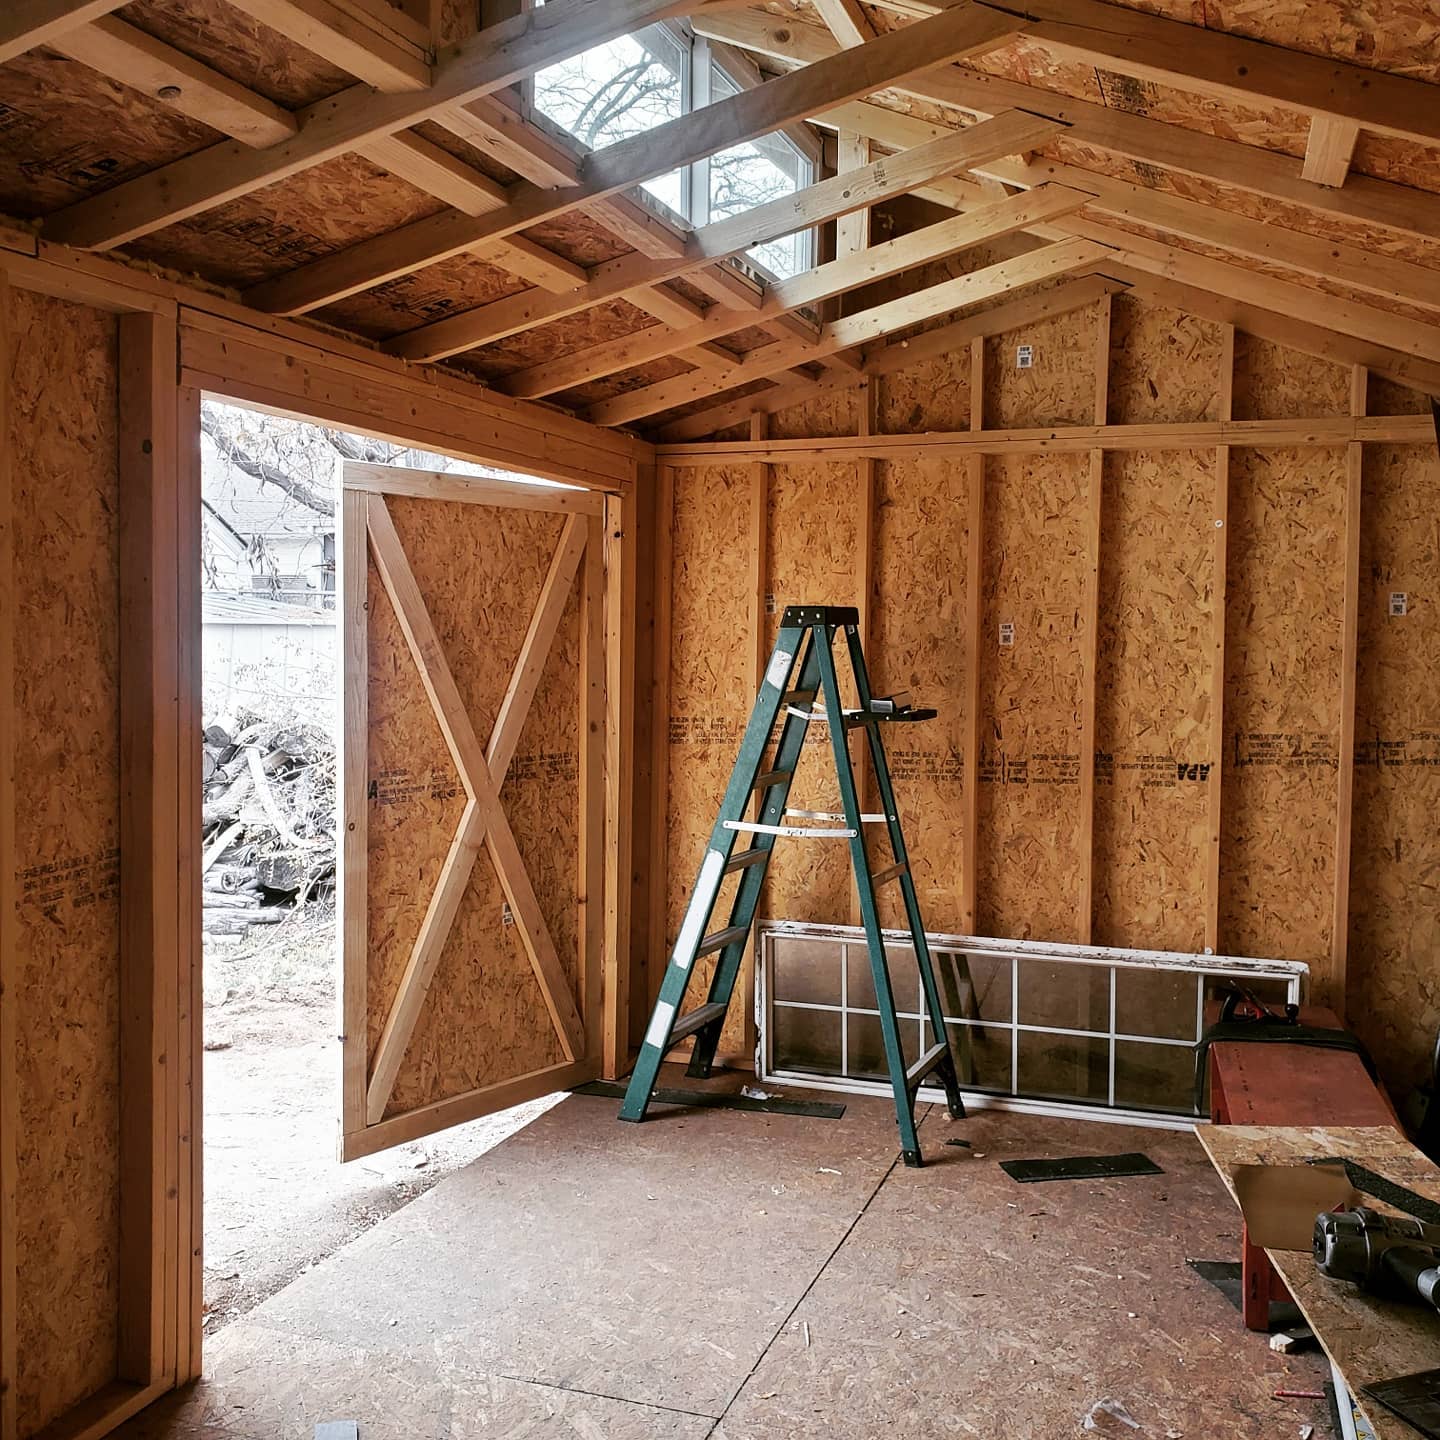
1332	992
1094	508
9	1105
590	862
974	608
150	950
1220	553
620	582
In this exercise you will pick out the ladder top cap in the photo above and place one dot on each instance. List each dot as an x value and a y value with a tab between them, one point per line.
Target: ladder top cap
802	615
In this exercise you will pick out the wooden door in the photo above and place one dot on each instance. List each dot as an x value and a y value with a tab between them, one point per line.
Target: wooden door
472	798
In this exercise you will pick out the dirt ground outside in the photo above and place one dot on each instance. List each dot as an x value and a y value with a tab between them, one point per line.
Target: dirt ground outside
277	1201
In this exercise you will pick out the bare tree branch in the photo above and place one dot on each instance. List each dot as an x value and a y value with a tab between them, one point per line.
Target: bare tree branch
310	496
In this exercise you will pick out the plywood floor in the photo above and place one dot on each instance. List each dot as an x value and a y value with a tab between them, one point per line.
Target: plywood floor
750	1277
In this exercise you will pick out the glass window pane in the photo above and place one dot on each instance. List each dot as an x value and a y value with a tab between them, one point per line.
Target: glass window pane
867	1046
1064	996
982	1055
805	970
805	1040
752	174
973	987
613	91
1064	1067
1155	1077
904	978
1156	1002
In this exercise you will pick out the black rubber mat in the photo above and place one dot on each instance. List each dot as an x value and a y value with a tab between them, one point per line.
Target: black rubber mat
1080	1167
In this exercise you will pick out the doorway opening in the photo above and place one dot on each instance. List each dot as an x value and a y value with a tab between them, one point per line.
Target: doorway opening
277	1199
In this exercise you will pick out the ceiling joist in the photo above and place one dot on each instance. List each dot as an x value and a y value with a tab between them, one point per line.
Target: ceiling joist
484	63
24	24
965	30
823	201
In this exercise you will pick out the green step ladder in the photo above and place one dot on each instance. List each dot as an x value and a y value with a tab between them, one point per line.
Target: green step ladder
804	654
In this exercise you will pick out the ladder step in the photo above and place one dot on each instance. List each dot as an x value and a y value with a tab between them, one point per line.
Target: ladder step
884	877
924	1065
792	832
743	860
721	938
831	815
687	1025
769	778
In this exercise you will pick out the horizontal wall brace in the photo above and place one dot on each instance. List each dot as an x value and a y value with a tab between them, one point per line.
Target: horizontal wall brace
1320	432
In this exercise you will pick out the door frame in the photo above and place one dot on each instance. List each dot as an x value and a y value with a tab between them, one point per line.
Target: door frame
366	533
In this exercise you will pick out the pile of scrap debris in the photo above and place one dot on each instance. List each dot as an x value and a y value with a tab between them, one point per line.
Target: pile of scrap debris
268	822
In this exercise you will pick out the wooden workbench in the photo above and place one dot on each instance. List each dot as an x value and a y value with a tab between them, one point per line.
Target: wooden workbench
1368	1339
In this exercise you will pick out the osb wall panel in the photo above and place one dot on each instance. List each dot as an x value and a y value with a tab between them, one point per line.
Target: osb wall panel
1282	706
67	796
1153	699
919	643
484	1019
1029	844
1164	365
1394	995
1273	382
712	680
813	540
1059	386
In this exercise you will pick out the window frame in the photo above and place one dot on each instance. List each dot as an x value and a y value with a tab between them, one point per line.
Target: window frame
705	58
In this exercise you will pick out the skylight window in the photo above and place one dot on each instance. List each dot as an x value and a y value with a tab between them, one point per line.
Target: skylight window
631	85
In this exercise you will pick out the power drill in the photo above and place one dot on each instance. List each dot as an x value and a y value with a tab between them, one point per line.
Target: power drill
1392	1255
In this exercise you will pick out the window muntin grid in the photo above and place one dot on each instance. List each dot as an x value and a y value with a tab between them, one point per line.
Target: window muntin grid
1086	1027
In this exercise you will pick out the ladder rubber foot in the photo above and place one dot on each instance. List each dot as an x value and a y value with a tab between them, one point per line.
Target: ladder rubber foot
956	1109
697	1070
632	1119
914	1159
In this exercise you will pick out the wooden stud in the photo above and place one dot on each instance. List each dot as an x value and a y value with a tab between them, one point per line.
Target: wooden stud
852	231
757	602
974	609
1331	991
9	963
189	1288
353	898
866	518
1090	637
149	843
1220	551
620	588
659	944
590	864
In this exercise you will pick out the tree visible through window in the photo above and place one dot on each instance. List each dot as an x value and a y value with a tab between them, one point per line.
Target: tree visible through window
631	85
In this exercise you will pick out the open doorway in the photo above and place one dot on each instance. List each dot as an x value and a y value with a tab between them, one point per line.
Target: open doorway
277	1199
